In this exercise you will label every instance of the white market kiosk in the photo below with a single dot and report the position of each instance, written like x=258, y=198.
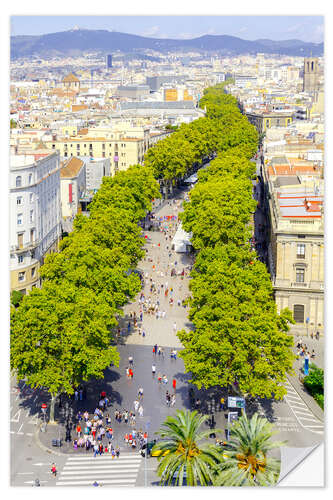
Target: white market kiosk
x=181, y=242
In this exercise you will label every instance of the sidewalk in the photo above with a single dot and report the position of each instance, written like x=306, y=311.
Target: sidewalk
x=318, y=346
x=157, y=266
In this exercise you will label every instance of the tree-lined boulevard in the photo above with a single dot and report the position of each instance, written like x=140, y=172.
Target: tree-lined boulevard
x=69, y=332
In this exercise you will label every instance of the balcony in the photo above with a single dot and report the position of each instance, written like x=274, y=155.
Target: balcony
x=297, y=284
x=23, y=248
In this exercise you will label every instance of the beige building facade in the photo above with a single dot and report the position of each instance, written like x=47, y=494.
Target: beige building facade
x=296, y=255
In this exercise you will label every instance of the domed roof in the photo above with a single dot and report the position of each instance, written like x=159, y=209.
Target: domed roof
x=70, y=78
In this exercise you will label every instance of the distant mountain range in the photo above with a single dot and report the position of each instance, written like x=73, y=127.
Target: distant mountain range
x=77, y=41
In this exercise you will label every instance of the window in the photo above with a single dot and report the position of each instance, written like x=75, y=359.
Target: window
x=30, y=178
x=19, y=200
x=19, y=219
x=31, y=197
x=299, y=313
x=299, y=275
x=21, y=276
x=300, y=250
x=33, y=271
x=18, y=181
x=20, y=259
x=31, y=215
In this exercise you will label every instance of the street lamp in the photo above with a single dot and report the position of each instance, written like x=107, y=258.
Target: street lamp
x=68, y=414
x=44, y=408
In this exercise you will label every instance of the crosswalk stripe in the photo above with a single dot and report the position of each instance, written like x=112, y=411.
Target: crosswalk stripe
x=97, y=471
x=294, y=398
x=298, y=412
x=310, y=419
x=112, y=461
x=314, y=426
x=100, y=481
x=103, y=457
x=84, y=470
x=297, y=403
x=103, y=466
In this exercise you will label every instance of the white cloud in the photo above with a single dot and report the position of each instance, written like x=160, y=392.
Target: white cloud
x=151, y=31
x=296, y=28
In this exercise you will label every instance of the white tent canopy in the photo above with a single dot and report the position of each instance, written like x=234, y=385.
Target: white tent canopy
x=181, y=241
x=192, y=179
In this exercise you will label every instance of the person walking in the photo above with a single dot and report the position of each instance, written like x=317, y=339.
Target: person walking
x=175, y=327
x=141, y=411
x=174, y=383
x=130, y=360
x=131, y=374
x=78, y=430
x=153, y=369
x=140, y=393
x=136, y=405
x=54, y=470
x=96, y=450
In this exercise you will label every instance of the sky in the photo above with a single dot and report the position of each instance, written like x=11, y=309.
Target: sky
x=306, y=28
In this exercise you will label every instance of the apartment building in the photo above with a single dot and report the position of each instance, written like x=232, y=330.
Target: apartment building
x=35, y=218
x=296, y=247
x=263, y=120
x=72, y=186
x=122, y=151
x=95, y=171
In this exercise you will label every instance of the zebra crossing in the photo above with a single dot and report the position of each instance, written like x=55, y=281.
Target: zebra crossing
x=304, y=416
x=105, y=470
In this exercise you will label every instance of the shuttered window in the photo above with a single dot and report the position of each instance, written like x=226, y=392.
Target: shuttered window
x=299, y=313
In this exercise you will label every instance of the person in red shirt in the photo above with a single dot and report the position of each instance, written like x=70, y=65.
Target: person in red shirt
x=131, y=373
x=78, y=430
x=174, y=384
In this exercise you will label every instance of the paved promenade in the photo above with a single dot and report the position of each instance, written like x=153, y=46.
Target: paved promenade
x=157, y=265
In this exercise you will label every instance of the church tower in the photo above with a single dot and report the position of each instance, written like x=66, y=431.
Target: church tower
x=310, y=77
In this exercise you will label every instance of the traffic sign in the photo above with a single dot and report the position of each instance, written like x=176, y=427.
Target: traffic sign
x=236, y=402
x=44, y=407
x=232, y=416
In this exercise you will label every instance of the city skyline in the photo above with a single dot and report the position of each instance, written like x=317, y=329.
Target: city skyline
x=305, y=28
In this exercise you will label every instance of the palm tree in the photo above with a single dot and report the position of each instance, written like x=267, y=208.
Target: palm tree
x=181, y=459
x=246, y=463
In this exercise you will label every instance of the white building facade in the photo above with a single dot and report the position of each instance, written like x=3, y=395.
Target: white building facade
x=35, y=216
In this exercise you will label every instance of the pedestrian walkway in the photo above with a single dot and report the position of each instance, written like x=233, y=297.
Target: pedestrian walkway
x=304, y=416
x=157, y=266
x=105, y=470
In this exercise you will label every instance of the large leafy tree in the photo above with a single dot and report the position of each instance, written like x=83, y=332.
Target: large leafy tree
x=182, y=459
x=239, y=341
x=60, y=336
x=247, y=461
